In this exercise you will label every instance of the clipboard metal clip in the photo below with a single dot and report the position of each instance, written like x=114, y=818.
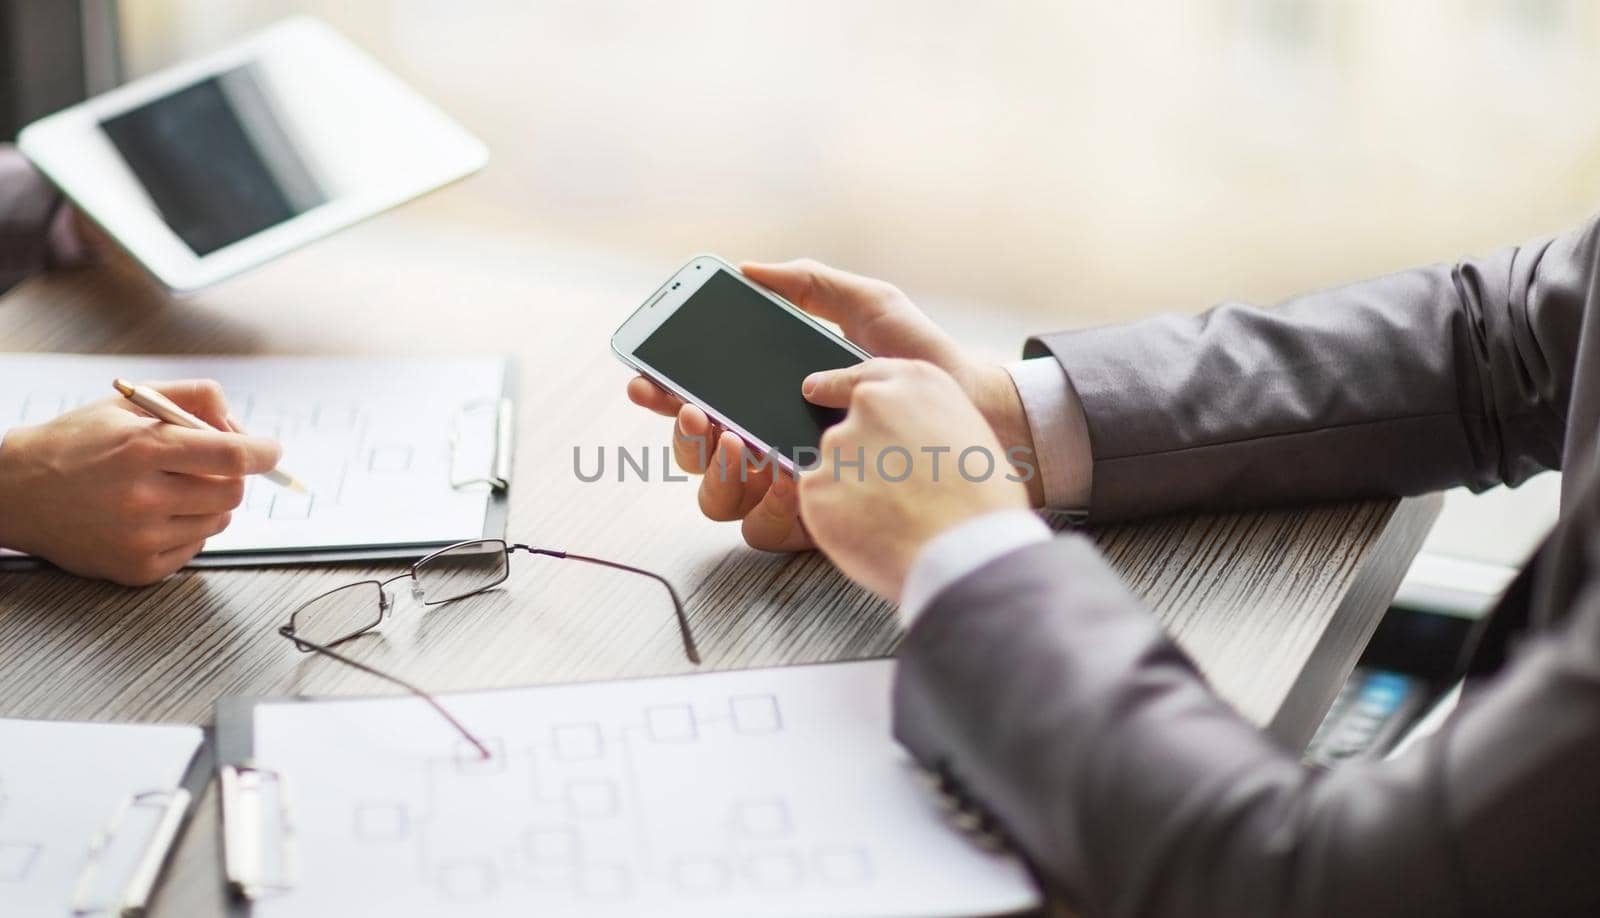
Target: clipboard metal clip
x=125, y=859
x=257, y=836
x=466, y=427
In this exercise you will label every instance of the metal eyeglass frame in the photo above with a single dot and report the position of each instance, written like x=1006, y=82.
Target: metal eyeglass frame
x=386, y=607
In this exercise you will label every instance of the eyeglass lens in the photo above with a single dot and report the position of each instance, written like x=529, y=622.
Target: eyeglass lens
x=340, y=614
x=461, y=570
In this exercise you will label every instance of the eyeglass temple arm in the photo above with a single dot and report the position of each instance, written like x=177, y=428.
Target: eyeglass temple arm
x=304, y=644
x=689, y=648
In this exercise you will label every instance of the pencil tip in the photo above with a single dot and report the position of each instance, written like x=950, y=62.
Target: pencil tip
x=123, y=387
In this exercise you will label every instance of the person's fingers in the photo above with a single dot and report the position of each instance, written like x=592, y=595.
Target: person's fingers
x=755, y=488
x=191, y=495
x=182, y=531
x=829, y=293
x=202, y=398
x=165, y=552
x=693, y=439
x=147, y=569
x=833, y=388
x=646, y=394
x=724, y=486
x=774, y=524
x=120, y=403
x=174, y=558
x=209, y=452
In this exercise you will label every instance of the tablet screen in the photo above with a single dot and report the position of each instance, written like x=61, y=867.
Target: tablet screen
x=222, y=163
x=217, y=159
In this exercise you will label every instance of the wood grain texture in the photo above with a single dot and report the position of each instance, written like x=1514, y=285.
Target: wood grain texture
x=1259, y=600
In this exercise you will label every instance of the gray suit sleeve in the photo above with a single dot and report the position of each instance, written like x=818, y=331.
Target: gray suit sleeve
x=1047, y=692
x=1408, y=383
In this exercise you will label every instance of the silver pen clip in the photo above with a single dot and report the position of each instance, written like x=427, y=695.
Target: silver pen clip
x=494, y=469
x=257, y=836
x=125, y=859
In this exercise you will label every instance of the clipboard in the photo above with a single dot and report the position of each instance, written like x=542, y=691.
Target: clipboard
x=266, y=844
x=90, y=811
x=256, y=819
x=481, y=430
x=497, y=477
x=128, y=857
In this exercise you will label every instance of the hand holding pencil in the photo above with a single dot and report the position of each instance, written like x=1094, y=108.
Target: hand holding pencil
x=108, y=490
x=164, y=409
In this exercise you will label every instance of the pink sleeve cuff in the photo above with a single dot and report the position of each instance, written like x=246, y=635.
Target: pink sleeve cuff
x=1060, y=431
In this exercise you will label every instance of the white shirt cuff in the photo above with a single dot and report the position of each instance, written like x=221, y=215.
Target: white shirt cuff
x=1060, y=431
x=960, y=550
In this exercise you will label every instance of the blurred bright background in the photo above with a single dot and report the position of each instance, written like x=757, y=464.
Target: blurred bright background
x=1022, y=165
x=1075, y=161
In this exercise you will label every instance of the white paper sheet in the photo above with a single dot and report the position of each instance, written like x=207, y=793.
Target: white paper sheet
x=60, y=785
x=371, y=438
x=772, y=792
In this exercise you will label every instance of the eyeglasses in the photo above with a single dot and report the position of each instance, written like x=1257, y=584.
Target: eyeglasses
x=451, y=573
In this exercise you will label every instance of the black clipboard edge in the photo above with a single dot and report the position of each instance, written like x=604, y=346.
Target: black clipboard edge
x=195, y=778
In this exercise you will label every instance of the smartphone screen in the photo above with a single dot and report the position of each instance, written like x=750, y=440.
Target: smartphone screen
x=735, y=350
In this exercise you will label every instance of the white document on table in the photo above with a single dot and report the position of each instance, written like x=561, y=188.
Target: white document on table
x=379, y=441
x=61, y=784
x=775, y=792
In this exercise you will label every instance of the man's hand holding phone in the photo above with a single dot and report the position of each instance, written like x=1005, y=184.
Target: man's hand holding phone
x=874, y=517
x=876, y=316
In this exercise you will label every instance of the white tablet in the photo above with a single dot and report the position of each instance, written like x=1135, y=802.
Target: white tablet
x=222, y=163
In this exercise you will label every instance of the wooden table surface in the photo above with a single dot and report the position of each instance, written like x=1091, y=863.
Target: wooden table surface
x=1274, y=606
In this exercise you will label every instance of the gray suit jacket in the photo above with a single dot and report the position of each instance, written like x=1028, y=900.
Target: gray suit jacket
x=1045, y=689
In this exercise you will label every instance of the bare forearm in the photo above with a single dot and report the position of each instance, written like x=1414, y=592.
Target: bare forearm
x=8, y=501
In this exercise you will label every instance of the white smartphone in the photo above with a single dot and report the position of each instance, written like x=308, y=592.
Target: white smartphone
x=737, y=350
x=219, y=164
